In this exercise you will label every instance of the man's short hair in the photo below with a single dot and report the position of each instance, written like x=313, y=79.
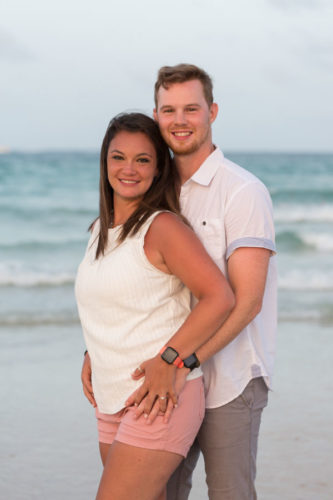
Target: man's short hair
x=181, y=73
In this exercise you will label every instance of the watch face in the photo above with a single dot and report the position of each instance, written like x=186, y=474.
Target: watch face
x=169, y=355
x=191, y=362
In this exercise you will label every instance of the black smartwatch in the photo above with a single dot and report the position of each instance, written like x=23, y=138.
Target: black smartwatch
x=191, y=362
x=171, y=356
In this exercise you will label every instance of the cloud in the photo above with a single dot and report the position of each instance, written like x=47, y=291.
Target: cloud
x=11, y=49
x=297, y=5
x=320, y=53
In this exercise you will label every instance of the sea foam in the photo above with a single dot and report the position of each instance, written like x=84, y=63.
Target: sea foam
x=16, y=275
x=303, y=213
x=299, y=279
x=322, y=242
x=304, y=241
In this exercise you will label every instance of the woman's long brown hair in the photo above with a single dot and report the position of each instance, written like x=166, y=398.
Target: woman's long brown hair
x=163, y=194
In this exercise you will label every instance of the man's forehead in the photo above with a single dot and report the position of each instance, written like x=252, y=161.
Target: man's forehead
x=186, y=93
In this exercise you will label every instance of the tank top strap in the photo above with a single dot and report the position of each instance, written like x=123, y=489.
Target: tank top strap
x=146, y=225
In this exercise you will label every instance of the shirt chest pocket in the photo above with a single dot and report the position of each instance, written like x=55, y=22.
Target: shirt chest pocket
x=211, y=233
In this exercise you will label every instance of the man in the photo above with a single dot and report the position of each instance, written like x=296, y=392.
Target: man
x=230, y=210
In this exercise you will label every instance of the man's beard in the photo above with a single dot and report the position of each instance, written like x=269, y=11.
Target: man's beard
x=186, y=150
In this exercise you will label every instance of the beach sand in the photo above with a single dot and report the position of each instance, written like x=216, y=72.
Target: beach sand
x=48, y=439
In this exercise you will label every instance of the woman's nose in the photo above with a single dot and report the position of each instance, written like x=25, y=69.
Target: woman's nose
x=129, y=168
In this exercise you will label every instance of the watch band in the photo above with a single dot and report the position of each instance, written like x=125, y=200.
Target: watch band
x=171, y=356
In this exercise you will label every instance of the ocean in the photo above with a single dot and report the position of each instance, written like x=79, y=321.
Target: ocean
x=47, y=201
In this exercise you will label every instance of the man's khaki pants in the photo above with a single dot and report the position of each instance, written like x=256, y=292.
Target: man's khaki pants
x=228, y=439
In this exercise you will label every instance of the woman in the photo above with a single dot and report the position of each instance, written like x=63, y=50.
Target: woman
x=133, y=292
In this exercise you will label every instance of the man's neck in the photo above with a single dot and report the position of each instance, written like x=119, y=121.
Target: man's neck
x=187, y=165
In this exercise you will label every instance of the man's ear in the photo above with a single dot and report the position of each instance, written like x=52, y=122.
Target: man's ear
x=155, y=114
x=214, y=109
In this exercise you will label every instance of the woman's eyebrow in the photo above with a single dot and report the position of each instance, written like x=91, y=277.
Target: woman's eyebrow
x=146, y=154
x=116, y=151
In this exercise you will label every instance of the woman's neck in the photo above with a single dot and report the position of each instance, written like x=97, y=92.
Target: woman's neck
x=122, y=210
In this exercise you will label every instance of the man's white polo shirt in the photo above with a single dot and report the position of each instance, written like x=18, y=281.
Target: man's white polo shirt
x=230, y=208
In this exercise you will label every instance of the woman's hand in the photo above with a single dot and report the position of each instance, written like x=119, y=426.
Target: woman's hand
x=180, y=380
x=86, y=380
x=158, y=386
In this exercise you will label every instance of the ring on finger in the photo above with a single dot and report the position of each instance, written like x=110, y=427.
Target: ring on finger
x=162, y=397
x=140, y=369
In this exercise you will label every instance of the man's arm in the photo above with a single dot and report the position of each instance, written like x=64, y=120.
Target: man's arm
x=247, y=273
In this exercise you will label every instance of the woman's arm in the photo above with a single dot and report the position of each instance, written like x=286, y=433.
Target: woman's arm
x=172, y=247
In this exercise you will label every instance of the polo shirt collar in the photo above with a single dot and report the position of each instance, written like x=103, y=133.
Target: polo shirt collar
x=207, y=170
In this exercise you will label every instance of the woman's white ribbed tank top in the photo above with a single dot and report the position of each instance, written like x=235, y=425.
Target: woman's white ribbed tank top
x=128, y=309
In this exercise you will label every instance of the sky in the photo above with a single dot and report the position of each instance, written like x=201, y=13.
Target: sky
x=68, y=66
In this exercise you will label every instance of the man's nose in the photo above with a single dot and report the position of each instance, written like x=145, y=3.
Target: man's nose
x=180, y=118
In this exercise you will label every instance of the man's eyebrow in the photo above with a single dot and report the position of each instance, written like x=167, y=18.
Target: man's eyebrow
x=185, y=106
x=166, y=106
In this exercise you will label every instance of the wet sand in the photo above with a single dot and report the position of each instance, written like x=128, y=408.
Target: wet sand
x=48, y=439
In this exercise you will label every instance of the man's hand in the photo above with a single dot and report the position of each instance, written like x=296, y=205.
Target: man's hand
x=86, y=380
x=158, y=385
x=180, y=381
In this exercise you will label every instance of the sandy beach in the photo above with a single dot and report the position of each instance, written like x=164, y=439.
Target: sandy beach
x=49, y=446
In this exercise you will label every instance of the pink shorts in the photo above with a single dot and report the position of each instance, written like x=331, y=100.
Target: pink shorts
x=175, y=436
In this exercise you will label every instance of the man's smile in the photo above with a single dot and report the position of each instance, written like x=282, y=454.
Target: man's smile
x=181, y=134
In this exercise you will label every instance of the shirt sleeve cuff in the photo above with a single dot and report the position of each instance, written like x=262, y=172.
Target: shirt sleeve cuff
x=250, y=242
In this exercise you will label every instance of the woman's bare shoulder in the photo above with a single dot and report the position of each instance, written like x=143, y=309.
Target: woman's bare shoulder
x=167, y=221
x=167, y=224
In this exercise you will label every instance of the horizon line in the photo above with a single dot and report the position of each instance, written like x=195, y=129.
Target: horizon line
x=7, y=151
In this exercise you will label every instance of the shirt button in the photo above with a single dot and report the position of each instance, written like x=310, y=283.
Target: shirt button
x=203, y=222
